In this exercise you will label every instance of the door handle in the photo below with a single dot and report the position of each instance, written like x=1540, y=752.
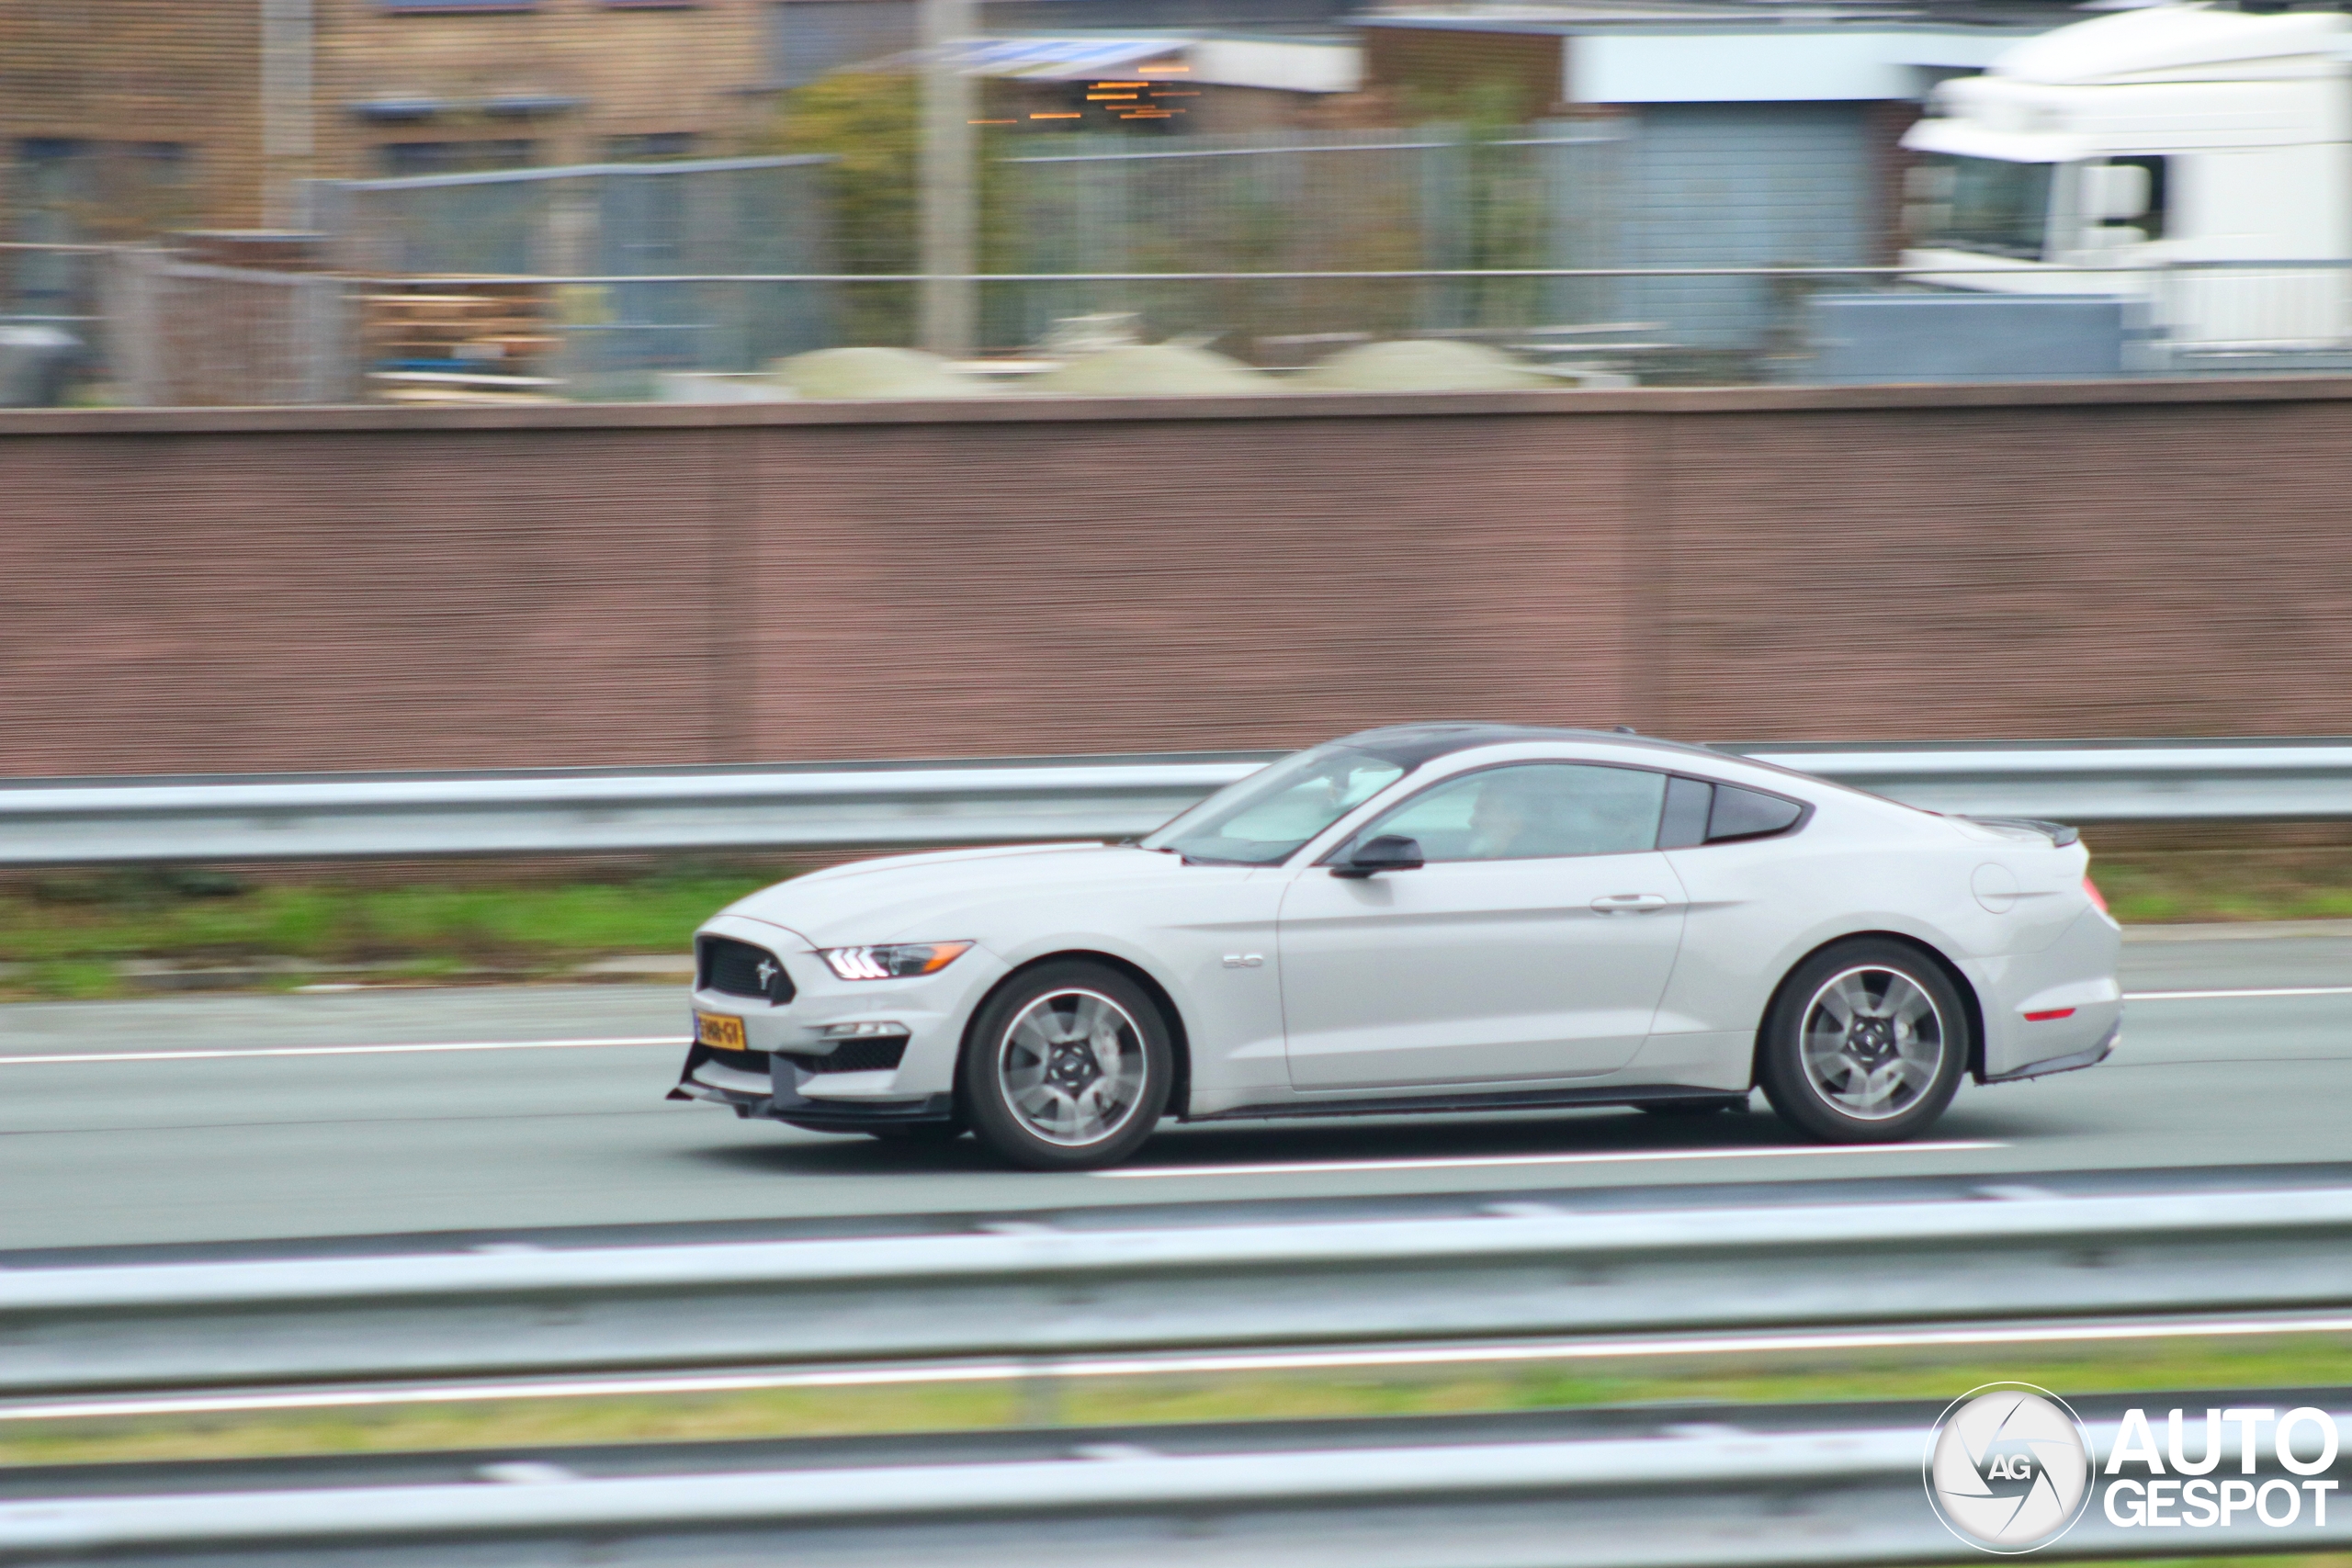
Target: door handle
x=1628, y=903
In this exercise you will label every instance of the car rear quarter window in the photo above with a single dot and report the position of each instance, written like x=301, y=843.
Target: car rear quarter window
x=1750, y=814
x=1688, y=805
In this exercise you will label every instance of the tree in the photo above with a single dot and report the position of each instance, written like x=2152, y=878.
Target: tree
x=866, y=122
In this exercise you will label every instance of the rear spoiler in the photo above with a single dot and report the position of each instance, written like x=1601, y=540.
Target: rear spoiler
x=2059, y=834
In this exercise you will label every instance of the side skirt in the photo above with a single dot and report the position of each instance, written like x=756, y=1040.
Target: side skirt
x=1514, y=1099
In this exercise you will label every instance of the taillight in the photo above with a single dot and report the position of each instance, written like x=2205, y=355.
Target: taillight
x=2090, y=891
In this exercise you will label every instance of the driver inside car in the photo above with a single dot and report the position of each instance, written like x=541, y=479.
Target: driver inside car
x=1516, y=816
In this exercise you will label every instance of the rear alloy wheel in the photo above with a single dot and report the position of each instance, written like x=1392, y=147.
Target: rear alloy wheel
x=1068, y=1068
x=1866, y=1044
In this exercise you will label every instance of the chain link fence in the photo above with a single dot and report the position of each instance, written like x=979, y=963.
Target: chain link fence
x=190, y=333
x=687, y=265
x=1447, y=202
x=1276, y=249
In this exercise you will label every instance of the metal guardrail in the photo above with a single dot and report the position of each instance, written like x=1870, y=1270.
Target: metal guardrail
x=65, y=822
x=2094, y=781
x=1039, y=1294
x=1704, y=1496
x=98, y=821
x=1747, y=1490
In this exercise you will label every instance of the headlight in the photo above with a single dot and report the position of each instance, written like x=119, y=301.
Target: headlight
x=892, y=962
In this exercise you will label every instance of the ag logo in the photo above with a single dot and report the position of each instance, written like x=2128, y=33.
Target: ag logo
x=2008, y=1468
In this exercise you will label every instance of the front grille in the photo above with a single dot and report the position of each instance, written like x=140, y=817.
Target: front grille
x=852, y=1056
x=722, y=964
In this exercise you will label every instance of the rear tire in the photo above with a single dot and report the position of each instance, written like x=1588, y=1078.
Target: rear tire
x=1068, y=1068
x=1865, y=1044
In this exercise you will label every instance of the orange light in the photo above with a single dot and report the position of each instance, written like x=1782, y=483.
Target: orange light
x=1098, y=86
x=1112, y=97
x=942, y=955
x=1073, y=114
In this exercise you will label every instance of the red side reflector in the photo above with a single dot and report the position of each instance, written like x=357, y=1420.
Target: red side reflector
x=2046, y=1017
x=2090, y=890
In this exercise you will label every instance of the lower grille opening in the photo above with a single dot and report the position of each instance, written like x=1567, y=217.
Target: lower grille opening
x=852, y=1056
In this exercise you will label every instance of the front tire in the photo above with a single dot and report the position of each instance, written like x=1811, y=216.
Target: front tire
x=1865, y=1044
x=1068, y=1068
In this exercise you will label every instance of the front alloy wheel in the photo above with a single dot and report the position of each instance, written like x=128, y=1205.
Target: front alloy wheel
x=1067, y=1068
x=1866, y=1044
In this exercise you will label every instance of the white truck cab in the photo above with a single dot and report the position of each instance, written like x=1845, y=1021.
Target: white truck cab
x=2176, y=133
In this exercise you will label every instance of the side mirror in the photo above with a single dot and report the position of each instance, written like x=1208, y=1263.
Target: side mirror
x=1390, y=851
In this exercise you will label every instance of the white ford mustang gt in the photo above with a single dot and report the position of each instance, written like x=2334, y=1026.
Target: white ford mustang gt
x=1429, y=917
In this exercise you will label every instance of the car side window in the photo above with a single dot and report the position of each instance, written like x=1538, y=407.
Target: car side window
x=1699, y=813
x=1687, y=803
x=1530, y=811
x=1749, y=814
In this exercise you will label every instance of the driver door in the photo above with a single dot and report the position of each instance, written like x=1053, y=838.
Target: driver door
x=1534, y=944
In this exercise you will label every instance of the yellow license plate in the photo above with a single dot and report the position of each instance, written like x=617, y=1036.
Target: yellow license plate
x=720, y=1031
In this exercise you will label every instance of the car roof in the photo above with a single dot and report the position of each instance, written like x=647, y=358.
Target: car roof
x=1411, y=745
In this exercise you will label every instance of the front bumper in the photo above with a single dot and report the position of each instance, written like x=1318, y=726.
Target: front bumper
x=791, y=1071
x=763, y=1084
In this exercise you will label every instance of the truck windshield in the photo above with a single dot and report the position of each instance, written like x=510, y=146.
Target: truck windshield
x=1979, y=204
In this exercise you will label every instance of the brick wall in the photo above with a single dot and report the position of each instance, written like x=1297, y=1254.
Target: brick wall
x=193, y=591
x=121, y=76
x=1449, y=67
x=627, y=70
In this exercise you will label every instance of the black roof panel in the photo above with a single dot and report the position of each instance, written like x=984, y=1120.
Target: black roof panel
x=1411, y=745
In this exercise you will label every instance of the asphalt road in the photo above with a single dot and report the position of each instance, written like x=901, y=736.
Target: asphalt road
x=102, y=1148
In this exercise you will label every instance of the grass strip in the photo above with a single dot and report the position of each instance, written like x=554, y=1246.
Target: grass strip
x=66, y=935
x=2312, y=883
x=1928, y=1373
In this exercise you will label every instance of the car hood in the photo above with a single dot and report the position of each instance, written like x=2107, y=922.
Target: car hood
x=916, y=898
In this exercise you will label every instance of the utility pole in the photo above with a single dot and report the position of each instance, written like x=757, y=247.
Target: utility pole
x=287, y=47
x=949, y=200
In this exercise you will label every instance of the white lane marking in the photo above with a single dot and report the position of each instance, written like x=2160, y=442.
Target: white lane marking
x=338, y=1050
x=2259, y=991
x=1467, y=1161
x=1157, y=1365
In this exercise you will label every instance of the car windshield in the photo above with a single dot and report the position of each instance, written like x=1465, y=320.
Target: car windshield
x=1979, y=204
x=1266, y=817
